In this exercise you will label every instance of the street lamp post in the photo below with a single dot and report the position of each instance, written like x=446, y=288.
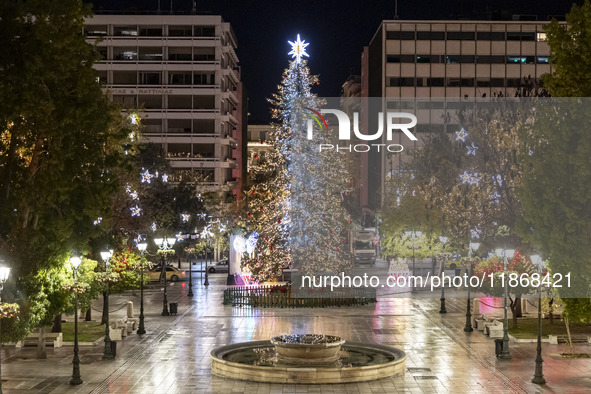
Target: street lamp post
x=142, y=248
x=507, y=254
x=108, y=353
x=190, y=293
x=443, y=309
x=206, y=281
x=4, y=272
x=472, y=247
x=413, y=235
x=539, y=373
x=164, y=244
x=76, y=379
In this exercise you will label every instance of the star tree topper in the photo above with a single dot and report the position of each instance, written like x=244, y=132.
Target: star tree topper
x=298, y=49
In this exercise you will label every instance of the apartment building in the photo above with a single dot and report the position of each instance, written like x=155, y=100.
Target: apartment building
x=418, y=62
x=182, y=73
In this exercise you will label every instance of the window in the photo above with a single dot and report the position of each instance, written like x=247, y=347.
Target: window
x=179, y=150
x=467, y=82
x=180, y=31
x=513, y=82
x=179, y=78
x=124, y=53
x=400, y=58
x=497, y=83
x=483, y=82
x=204, y=54
x=149, y=53
x=542, y=59
x=125, y=30
x=96, y=30
x=102, y=51
x=203, y=150
x=429, y=59
x=541, y=36
x=454, y=82
x=179, y=54
x=150, y=101
x=124, y=77
x=521, y=36
x=204, y=31
x=150, y=31
x=436, y=82
x=400, y=35
x=402, y=82
x=460, y=35
x=515, y=59
x=490, y=36
x=491, y=59
x=127, y=101
x=430, y=35
x=454, y=59
x=150, y=78
x=203, y=79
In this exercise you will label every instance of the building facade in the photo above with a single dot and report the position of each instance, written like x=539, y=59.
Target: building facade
x=181, y=72
x=413, y=61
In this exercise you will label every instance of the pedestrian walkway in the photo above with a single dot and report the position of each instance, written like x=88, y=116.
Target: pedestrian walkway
x=173, y=356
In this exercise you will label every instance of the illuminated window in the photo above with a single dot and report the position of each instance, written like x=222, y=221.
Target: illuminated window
x=540, y=36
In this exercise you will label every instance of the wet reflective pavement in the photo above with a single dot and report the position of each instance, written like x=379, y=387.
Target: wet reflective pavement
x=173, y=356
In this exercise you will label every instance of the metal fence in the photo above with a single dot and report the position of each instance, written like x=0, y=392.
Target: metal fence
x=273, y=297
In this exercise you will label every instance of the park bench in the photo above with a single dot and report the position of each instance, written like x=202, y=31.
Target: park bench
x=54, y=339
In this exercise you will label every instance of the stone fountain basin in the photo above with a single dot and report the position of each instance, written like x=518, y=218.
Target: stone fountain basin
x=308, y=348
x=307, y=374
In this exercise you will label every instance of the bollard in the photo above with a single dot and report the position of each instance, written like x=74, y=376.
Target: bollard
x=130, y=309
x=476, y=306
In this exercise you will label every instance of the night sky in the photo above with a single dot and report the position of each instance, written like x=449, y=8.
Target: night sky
x=336, y=31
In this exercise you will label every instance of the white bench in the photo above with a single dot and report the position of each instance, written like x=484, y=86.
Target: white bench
x=126, y=323
x=54, y=339
x=495, y=330
x=116, y=333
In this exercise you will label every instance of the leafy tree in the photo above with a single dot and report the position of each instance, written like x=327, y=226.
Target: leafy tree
x=519, y=264
x=557, y=180
x=60, y=139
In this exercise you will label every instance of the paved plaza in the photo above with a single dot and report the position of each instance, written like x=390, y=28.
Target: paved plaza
x=173, y=356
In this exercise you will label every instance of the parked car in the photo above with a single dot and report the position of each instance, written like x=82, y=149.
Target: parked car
x=220, y=266
x=173, y=274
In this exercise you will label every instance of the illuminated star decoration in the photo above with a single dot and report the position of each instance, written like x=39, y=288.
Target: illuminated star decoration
x=179, y=237
x=153, y=227
x=465, y=177
x=98, y=220
x=202, y=215
x=135, y=211
x=475, y=232
x=474, y=179
x=461, y=135
x=134, y=195
x=472, y=149
x=206, y=232
x=146, y=177
x=298, y=49
x=139, y=239
x=498, y=180
x=164, y=178
x=222, y=228
x=495, y=197
x=185, y=217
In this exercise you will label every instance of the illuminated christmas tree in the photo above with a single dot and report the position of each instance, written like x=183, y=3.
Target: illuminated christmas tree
x=315, y=182
x=267, y=207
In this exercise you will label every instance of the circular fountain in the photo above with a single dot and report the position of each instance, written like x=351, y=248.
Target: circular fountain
x=307, y=358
